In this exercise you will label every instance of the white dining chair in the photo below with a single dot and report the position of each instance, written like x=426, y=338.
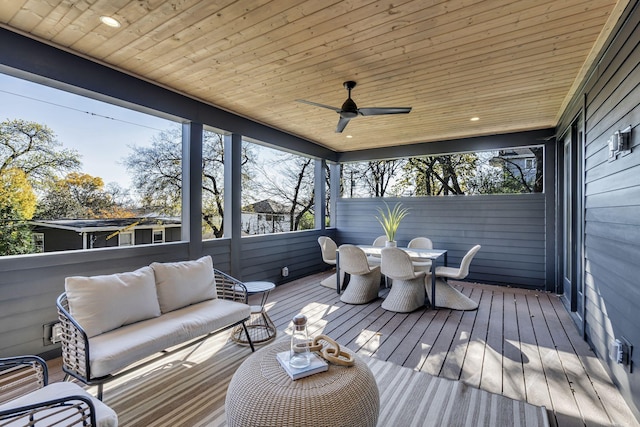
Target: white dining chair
x=378, y=242
x=446, y=295
x=328, y=248
x=421, y=243
x=407, y=292
x=364, y=280
x=461, y=272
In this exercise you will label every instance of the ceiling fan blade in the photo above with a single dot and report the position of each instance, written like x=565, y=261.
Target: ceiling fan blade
x=337, y=110
x=377, y=111
x=342, y=123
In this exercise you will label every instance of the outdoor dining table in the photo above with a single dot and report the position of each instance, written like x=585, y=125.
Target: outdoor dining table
x=416, y=254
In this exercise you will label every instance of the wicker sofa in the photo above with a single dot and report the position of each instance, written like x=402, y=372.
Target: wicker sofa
x=111, y=322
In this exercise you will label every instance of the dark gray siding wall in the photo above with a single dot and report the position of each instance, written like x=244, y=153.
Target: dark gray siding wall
x=510, y=228
x=29, y=285
x=612, y=196
x=263, y=257
x=612, y=205
x=60, y=240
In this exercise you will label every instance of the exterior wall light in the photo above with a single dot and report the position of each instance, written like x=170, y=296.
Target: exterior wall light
x=620, y=143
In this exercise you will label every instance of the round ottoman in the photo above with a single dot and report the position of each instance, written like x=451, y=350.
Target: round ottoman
x=262, y=394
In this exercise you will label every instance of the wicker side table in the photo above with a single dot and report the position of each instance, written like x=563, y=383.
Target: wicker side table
x=262, y=394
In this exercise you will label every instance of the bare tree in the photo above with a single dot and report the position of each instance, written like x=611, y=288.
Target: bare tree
x=157, y=175
x=290, y=178
x=439, y=175
x=374, y=177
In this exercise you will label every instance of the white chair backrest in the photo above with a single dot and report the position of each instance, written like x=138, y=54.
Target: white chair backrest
x=466, y=261
x=380, y=241
x=396, y=264
x=353, y=260
x=420, y=243
x=328, y=248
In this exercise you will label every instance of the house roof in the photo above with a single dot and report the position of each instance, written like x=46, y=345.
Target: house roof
x=513, y=64
x=266, y=206
x=93, y=225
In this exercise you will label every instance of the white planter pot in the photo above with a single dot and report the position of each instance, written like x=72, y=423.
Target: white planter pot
x=391, y=244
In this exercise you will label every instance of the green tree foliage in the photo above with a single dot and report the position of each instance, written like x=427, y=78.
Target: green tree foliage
x=16, y=191
x=17, y=205
x=307, y=221
x=33, y=148
x=79, y=196
x=30, y=156
x=15, y=233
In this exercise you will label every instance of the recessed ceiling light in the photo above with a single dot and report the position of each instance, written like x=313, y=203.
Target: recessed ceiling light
x=111, y=22
x=475, y=119
x=349, y=136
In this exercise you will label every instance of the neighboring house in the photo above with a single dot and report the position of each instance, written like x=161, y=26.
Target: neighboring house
x=520, y=161
x=265, y=217
x=73, y=234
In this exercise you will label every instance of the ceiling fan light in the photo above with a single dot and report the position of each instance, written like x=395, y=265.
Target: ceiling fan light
x=474, y=119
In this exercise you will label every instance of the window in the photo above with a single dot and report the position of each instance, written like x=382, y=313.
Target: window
x=277, y=193
x=158, y=236
x=126, y=238
x=515, y=170
x=212, y=184
x=38, y=242
x=131, y=170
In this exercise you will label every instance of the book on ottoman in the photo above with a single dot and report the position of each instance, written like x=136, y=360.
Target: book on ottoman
x=318, y=364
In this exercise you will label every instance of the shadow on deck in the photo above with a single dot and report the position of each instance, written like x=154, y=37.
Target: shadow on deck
x=518, y=343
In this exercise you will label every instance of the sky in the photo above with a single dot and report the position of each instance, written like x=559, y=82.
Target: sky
x=102, y=133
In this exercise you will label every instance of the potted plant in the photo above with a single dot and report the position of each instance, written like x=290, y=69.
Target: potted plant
x=390, y=220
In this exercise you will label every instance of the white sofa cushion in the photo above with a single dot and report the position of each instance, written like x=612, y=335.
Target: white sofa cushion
x=105, y=416
x=118, y=349
x=103, y=303
x=180, y=284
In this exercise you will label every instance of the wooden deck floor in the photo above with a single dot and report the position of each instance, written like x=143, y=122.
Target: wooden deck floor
x=519, y=343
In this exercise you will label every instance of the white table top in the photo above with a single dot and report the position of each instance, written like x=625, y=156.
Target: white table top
x=414, y=253
x=259, y=286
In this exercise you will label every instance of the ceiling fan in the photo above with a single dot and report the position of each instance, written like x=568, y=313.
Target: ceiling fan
x=350, y=110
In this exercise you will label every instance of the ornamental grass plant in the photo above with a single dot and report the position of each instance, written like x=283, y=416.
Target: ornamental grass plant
x=390, y=219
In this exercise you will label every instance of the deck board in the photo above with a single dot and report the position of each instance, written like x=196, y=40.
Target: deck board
x=471, y=371
x=534, y=380
x=508, y=346
x=492, y=364
x=519, y=343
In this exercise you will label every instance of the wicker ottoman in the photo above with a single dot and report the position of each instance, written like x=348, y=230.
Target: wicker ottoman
x=262, y=394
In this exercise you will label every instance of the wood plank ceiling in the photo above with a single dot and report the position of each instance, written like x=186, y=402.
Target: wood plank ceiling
x=512, y=63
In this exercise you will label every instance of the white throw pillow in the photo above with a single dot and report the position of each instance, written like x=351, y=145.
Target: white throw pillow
x=103, y=303
x=184, y=283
